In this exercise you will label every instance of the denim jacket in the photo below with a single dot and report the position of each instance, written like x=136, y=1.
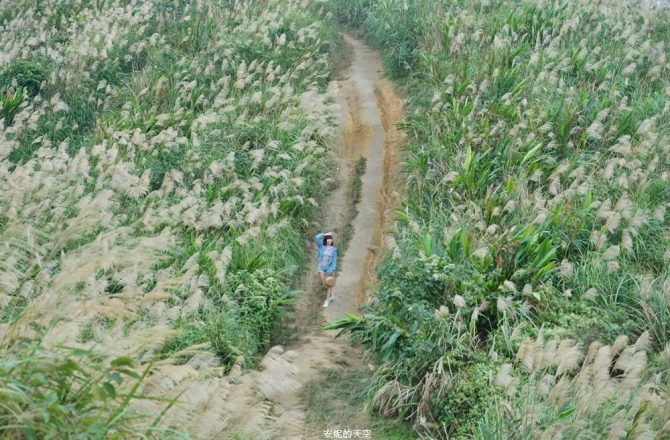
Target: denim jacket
x=332, y=264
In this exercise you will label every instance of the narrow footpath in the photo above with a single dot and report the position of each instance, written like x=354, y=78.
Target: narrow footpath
x=372, y=109
x=267, y=403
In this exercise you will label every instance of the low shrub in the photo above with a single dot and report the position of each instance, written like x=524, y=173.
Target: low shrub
x=23, y=74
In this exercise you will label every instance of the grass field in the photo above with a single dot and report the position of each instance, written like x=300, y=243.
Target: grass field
x=152, y=151
x=150, y=154
x=527, y=296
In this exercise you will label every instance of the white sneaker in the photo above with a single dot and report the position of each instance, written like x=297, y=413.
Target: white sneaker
x=325, y=303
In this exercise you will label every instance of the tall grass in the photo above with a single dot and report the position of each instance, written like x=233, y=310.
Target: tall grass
x=535, y=201
x=66, y=393
x=160, y=164
x=600, y=393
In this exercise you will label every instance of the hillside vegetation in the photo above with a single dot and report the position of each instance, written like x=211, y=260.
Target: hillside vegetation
x=527, y=291
x=151, y=154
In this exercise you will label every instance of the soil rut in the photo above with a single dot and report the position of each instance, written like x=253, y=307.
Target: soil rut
x=266, y=404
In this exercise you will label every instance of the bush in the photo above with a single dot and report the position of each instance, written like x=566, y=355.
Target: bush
x=260, y=298
x=238, y=326
x=351, y=12
x=9, y=105
x=223, y=329
x=425, y=340
x=24, y=74
x=469, y=395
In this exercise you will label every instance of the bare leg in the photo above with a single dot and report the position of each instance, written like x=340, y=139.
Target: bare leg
x=323, y=283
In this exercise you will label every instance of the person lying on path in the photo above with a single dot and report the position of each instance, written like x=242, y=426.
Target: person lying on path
x=326, y=255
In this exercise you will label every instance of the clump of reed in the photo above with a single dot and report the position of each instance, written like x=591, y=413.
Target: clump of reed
x=559, y=389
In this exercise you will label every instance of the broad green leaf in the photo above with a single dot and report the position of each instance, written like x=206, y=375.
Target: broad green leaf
x=122, y=361
x=531, y=153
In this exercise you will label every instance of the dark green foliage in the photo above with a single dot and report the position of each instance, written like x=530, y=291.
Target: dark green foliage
x=9, y=105
x=25, y=74
x=359, y=170
x=113, y=286
x=468, y=396
x=260, y=299
x=223, y=329
x=398, y=28
x=19, y=80
x=240, y=324
x=353, y=12
x=13, y=309
x=162, y=163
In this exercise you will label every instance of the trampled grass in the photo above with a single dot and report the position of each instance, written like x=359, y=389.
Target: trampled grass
x=536, y=208
x=337, y=400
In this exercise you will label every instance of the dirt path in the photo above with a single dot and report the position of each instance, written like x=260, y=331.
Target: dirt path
x=365, y=115
x=266, y=404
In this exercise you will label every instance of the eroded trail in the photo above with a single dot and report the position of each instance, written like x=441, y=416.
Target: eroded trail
x=266, y=404
x=372, y=110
